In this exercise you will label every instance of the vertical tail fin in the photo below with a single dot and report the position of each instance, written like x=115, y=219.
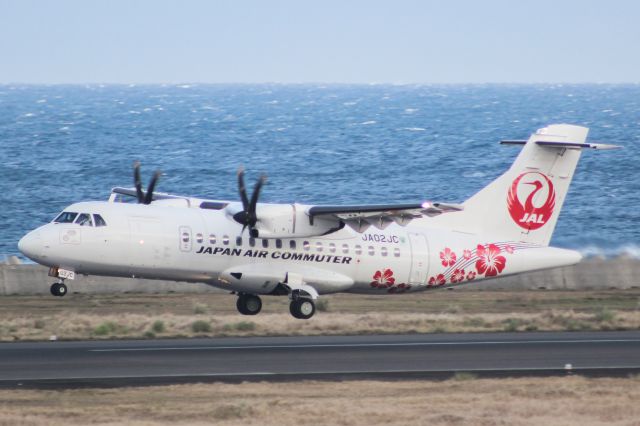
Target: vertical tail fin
x=523, y=204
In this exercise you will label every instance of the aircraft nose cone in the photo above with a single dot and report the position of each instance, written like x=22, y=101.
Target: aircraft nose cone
x=31, y=245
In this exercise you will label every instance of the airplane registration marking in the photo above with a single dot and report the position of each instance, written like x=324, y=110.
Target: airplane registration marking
x=381, y=238
x=364, y=345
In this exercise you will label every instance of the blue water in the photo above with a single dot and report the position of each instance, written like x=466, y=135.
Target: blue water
x=318, y=144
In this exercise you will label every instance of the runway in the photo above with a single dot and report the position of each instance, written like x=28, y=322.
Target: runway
x=145, y=362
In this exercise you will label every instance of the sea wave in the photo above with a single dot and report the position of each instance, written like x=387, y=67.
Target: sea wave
x=631, y=251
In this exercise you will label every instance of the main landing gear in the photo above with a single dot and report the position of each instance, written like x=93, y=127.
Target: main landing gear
x=58, y=289
x=250, y=304
x=302, y=308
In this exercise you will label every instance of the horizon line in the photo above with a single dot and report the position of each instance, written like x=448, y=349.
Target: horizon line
x=318, y=83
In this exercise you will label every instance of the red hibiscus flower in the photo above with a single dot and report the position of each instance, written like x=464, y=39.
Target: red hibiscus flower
x=509, y=249
x=458, y=276
x=448, y=257
x=471, y=275
x=490, y=263
x=437, y=280
x=383, y=279
x=466, y=254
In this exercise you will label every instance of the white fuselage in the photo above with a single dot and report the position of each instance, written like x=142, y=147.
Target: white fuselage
x=180, y=243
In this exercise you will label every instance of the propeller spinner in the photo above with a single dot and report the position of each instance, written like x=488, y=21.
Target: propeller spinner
x=247, y=217
x=144, y=198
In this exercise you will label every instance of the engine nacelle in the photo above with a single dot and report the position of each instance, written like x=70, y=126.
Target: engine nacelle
x=291, y=221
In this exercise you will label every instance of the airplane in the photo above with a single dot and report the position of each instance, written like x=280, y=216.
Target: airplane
x=300, y=251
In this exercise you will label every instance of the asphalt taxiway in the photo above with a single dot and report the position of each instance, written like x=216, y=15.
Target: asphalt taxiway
x=146, y=362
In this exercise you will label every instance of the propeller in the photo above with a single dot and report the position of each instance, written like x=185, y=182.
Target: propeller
x=247, y=217
x=144, y=198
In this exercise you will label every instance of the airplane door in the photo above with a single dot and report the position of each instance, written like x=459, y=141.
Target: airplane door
x=186, y=238
x=419, y=259
x=148, y=246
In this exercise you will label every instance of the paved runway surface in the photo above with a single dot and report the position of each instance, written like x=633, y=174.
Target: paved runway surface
x=119, y=363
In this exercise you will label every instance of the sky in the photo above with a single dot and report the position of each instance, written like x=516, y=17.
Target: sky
x=327, y=41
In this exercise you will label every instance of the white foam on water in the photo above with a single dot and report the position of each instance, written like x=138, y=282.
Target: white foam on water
x=627, y=250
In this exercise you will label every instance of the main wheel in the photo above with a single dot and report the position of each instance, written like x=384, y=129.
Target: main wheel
x=249, y=304
x=58, y=289
x=302, y=308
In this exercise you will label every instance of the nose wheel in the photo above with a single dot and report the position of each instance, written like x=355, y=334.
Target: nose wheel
x=58, y=289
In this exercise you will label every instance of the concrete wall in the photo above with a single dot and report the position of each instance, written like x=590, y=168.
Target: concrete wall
x=589, y=274
x=33, y=279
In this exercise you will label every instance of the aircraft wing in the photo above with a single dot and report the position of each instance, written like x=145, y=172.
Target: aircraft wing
x=131, y=192
x=359, y=217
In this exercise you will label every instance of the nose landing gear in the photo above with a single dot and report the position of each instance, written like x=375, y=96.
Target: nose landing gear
x=58, y=289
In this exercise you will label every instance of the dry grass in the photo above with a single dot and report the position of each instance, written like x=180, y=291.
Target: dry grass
x=173, y=315
x=523, y=401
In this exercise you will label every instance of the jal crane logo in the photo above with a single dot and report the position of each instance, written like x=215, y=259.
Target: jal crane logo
x=531, y=215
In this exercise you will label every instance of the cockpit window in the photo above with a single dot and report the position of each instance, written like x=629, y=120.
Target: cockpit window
x=98, y=220
x=84, y=219
x=65, y=217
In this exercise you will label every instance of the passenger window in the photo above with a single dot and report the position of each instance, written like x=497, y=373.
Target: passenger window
x=185, y=237
x=212, y=239
x=383, y=251
x=319, y=246
x=84, y=219
x=199, y=238
x=252, y=242
x=332, y=247
x=278, y=243
x=396, y=252
x=372, y=251
x=65, y=217
x=292, y=244
x=265, y=243
x=238, y=241
x=306, y=246
x=225, y=240
x=345, y=248
x=98, y=220
x=358, y=249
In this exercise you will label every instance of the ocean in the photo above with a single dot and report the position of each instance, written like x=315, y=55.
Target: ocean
x=322, y=144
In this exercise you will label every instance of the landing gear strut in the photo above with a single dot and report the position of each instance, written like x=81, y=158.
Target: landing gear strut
x=58, y=289
x=302, y=308
x=249, y=304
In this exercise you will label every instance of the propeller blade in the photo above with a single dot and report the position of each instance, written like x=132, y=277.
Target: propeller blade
x=254, y=201
x=248, y=217
x=242, y=189
x=138, y=182
x=152, y=185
